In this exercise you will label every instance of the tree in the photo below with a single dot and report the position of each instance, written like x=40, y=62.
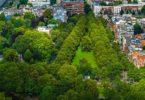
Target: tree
x=17, y=32
x=10, y=55
x=117, y=2
x=67, y=74
x=34, y=22
x=3, y=43
x=32, y=77
x=29, y=15
x=2, y=17
x=46, y=80
x=17, y=22
x=137, y=29
x=41, y=24
x=11, y=80
x=143, y=47
x=2, y=27
x=47, y=13
x=86, y=43
x=87, y=8
x=53, y=21
x=3, y=97
x=40, y=44
x=103, y=3
x=127, y=12
x=143, y=9
x=23, y=2
x=52, y=2
x=121, y=12
x=70, y=94
x=85, y=68
x=129, y=1
x=135, y=1
x=47, y=93
x=65, y=55
x=137, y=91
x=138, y=12
x=133, y=12
x=87, y=90
x=59, y=79
x=27, y=55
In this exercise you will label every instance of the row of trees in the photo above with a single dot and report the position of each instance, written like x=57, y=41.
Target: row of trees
x=111, y=63
x=71, y=43
x=133, y=12
x=35, y=64
x=60, y=33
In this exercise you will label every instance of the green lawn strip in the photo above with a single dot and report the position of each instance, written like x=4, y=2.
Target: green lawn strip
x=82, y=54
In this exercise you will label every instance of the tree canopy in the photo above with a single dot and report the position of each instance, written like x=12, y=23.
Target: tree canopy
x=77, y=60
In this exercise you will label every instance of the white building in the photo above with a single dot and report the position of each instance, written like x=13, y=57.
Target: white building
x=97, y=10
x=59, y=13
x=40, y=3
x=116, y=9
x=58, y=1
x=44, y=29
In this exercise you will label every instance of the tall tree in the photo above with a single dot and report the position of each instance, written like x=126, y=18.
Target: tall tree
x=137, y=29
x=23, y=2
x=52, y=2
x=10, y=55
x=143, y=9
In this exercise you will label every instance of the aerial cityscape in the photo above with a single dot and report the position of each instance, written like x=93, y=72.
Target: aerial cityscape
x=72, y=49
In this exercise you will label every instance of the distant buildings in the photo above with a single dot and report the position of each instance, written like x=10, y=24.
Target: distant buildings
x=11, y=12
x=58, y=1
x=59, y=13
x=73, y=6
x=132, y=45
x=40, y=3
x=97, y=9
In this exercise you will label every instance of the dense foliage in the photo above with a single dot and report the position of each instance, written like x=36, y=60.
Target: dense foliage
x=78, y=61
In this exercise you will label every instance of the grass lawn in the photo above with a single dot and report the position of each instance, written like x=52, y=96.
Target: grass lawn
x=89, y=56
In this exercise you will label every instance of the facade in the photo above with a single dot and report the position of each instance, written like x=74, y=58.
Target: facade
x=44, y=29
x=139, y=61
x=58, y=1
x=132, y=45
x=116, y=9
x=73, y=6
x=40, y=3
x=59, y=13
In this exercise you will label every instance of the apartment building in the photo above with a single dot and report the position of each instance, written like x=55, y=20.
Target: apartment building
x=40, y=3
x=73, y=6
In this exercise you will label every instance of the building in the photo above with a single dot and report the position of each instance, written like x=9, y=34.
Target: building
x=44, y=29
x=73, y=6
x=139, y=61
x=132, y=45
x=59, y=13
x=115, y=9
x=40, y=3
x=58, y=1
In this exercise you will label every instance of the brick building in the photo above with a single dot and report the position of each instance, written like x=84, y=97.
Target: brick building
x=73, y=6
